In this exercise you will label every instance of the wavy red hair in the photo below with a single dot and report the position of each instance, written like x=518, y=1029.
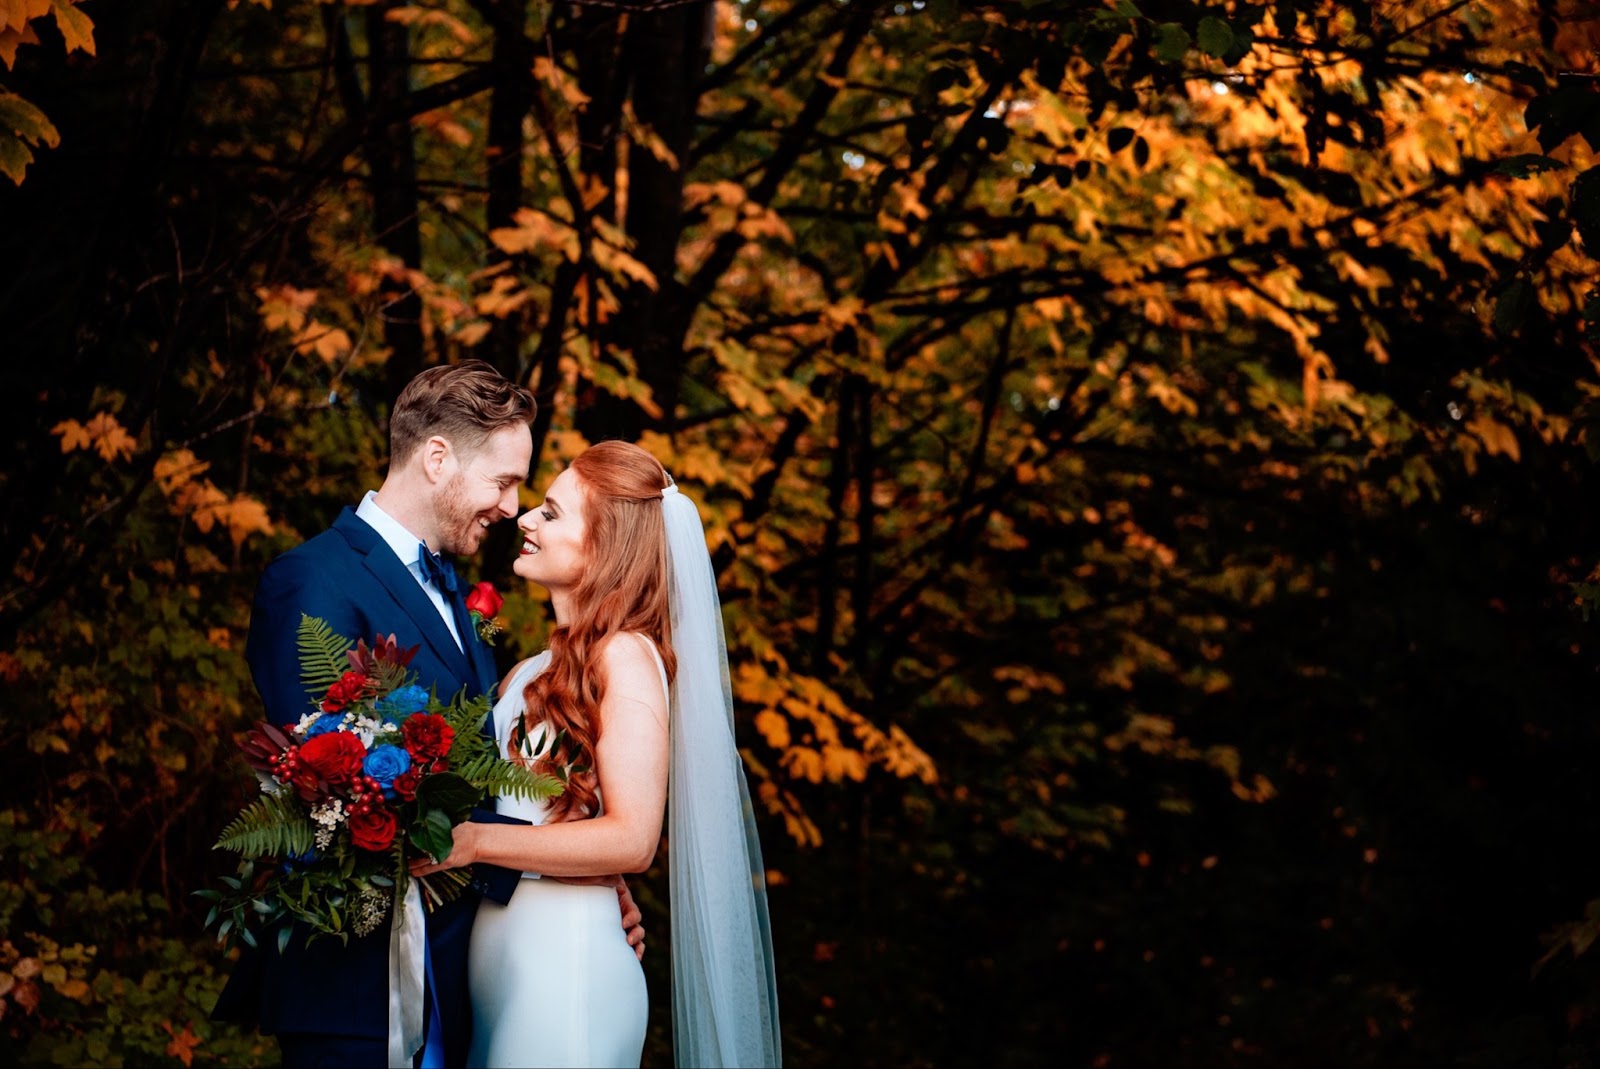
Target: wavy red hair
x=623, y=588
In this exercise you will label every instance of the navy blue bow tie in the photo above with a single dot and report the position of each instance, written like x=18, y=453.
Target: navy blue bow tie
x=437, y=570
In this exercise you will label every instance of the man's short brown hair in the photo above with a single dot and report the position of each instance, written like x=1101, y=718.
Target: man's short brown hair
x=463, y=403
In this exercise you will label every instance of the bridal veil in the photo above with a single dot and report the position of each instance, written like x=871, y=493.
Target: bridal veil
x=724, y=989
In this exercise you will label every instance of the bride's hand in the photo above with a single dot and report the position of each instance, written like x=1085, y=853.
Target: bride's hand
x=463, y=851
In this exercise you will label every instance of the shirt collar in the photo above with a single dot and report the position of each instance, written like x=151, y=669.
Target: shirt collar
x=406, y=545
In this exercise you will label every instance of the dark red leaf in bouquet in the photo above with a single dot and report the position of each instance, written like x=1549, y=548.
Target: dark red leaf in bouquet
x=310, y=787
x=388, y=650
x=262, y=745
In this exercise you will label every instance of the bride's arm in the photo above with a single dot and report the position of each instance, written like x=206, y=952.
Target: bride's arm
x=631, y=763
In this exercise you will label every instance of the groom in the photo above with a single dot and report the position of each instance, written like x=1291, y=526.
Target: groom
x=459, y=446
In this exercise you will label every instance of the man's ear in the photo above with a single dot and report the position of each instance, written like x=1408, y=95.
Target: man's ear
x=436, y=458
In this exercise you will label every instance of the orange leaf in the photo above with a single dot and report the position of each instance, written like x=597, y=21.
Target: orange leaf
x=183, y=1043
x=75, y=26
x=73, y=435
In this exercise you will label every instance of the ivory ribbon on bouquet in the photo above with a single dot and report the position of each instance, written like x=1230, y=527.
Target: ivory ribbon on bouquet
x=407, y=1007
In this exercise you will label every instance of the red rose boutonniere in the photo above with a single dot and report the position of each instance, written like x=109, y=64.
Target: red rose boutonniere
x=484, y=605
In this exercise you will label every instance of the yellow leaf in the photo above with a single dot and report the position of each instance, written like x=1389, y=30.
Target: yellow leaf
x=177, y=468
x=76, y=28
x=803, y=763
x=746, y=395
x=557, y=79
x=620, y=264
x=774, y=727
x=327, y=342
x=284, y=307
x=840, y=763
x=536, y=230
x=75, y=989
x=110, y=439
x=1496, y=436
x=564, y=445
x=244, y=516
x=472, y=333
x=73, y=435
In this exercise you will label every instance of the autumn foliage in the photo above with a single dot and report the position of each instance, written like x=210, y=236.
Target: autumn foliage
x=1147, y=449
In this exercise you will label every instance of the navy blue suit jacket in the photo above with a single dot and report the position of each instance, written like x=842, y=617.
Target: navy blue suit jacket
x=349, y=577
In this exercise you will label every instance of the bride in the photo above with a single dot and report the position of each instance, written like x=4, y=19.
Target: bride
x=632, y=692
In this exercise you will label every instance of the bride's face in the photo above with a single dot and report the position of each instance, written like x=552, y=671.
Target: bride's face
x=552, y=536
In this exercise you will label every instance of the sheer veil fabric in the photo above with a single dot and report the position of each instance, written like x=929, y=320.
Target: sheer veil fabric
x=724, y=987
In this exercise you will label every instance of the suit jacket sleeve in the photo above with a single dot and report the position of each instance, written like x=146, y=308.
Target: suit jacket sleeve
x=293, y=584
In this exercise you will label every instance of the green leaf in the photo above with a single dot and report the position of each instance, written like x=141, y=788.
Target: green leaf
x=1511, y=307
x=27, y=121
x=431, y=834
x=322, y=654
x=1215, y=36
x=1172, y=42
x=14, y=158
x=449, y=793
x=1528, y=163
x=273, y=824
x=1243, y=41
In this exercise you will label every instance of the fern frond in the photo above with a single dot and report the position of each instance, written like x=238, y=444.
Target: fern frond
x=273, y=824
x=322, y=654
x=507, y=780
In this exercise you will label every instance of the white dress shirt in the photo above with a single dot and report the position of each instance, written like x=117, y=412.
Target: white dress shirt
x=408, y=547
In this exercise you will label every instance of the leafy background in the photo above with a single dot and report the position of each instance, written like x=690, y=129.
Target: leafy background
x=1148, y=451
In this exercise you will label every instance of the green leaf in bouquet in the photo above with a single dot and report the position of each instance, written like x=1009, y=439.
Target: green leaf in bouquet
x=283, y=938
x=272, y=824
x=322, y=654
x=506, y=779
x=431, y=834
x=449, y=793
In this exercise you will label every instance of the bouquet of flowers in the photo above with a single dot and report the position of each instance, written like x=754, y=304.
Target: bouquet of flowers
x=377, y=773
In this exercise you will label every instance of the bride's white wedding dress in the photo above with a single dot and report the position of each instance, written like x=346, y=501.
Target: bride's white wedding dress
x=552, y=978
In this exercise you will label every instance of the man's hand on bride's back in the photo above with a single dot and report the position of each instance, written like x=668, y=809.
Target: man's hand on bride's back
x=632, y=918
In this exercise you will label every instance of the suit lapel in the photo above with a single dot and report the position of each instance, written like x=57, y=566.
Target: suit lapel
x=483, y=662
x=397, y=579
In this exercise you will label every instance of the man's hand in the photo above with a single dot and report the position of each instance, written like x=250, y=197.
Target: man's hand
x=632, y=918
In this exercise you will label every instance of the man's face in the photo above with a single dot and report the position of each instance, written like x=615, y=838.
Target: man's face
x=482, y=490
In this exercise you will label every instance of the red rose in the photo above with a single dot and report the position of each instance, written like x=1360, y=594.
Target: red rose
x=405, y=784
x=484, y=601
x=350, y=687
x=427, y=736
x=334, y=755
x=373, y=830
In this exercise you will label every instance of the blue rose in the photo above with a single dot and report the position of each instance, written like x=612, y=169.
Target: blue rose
x=399, y=704
x=323, y=724
x=384, y=763
x=293, y=861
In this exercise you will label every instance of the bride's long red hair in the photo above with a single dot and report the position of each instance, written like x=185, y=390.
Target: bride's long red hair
x=623, y=588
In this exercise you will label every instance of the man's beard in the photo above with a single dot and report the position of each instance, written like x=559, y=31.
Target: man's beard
x=459, y=530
